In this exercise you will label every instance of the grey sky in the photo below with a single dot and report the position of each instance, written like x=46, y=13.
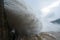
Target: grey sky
x=54, y=13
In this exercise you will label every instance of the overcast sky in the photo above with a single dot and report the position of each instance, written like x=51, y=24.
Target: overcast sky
x=49, y=10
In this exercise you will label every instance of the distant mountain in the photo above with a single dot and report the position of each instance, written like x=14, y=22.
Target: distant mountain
x=56, y=21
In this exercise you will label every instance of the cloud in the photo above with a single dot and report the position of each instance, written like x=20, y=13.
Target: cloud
x=45, y=11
